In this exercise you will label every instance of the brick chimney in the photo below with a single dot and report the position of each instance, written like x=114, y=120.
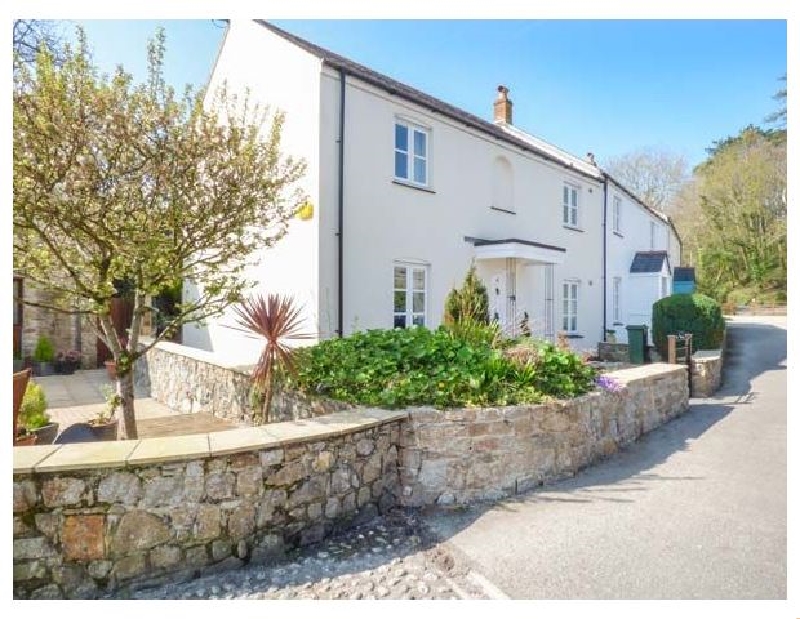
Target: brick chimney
x=502, y=107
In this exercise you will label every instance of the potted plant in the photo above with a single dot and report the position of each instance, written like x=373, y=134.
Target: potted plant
x=24, y=439
x=58, y=363
x=43, y=356
x=33, y=418
x=73, y=360
x=611, y=336
x=105, y=424
x=67, y=362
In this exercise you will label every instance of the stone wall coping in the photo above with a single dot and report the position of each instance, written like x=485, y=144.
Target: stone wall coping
x=86, y=456
x=117, y=454
x=645, y=371
x=706, y=355
x=26, y=458
x=195, y=353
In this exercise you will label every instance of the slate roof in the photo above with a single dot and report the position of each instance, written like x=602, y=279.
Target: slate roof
x=649, y=261
x=683, y=274
x=413, y=95
x=509, y=134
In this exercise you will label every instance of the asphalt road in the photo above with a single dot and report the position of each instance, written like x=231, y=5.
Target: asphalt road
x=694, y=510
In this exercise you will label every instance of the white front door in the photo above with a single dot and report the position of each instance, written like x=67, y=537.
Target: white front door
x=498, y=298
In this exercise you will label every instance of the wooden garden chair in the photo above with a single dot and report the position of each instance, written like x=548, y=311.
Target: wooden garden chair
x=20, y=384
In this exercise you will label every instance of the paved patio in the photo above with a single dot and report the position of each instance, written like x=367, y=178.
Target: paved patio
x=77, y=397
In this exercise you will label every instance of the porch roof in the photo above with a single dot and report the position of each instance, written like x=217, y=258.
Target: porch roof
x=529, y=251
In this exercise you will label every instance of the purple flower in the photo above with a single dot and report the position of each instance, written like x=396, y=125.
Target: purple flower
x=608, y=384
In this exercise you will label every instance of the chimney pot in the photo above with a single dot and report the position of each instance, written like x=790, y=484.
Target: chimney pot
x=590, y=158
x=502, y=106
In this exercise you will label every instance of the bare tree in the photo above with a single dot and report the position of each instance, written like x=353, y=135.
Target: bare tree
x=30, y=34
x=779, y=117
x=654, y=175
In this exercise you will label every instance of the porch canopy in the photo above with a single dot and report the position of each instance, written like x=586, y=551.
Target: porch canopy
x=527, y=251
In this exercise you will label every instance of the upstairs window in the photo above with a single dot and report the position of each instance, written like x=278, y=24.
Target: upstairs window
x=617, y=215
x=410, y=153
x=570, y=205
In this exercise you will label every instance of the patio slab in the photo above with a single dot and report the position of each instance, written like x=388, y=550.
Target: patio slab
x=78, y=398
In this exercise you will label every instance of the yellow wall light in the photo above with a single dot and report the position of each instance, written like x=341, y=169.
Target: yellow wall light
x=306, y=211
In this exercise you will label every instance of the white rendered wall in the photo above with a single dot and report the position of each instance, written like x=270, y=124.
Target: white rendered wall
x=386, y=221
x=638, y=291
x=284, y=77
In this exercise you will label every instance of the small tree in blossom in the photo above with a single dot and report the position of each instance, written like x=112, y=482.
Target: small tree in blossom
x=122, y=182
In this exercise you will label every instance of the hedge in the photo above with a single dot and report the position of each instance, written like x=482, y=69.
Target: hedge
x=692, y=313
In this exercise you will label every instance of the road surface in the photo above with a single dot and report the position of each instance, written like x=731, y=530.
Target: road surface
x=694, y=510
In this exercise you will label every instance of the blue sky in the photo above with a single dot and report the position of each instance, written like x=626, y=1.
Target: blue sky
x=603, y=86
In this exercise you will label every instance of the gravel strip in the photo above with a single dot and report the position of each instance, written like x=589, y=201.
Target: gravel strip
x=393, y=558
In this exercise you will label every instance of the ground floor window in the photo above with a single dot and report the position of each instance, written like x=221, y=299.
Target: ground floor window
x=570, y=322
x=410, y=295
x=616, y=297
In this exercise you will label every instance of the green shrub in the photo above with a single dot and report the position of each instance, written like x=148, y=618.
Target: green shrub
x=32, y=410
x=403, y=367
x=470, y=303
x=477, y=333
x=558, y=372
x=44, y=351
x=693, y=313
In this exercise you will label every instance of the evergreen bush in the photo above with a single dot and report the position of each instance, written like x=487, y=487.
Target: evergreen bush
x=691, y=313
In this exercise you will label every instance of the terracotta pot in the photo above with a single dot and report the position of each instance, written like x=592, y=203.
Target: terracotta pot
x=106, y=431
x=46, y=434
x=111, y=368
x=26, y=440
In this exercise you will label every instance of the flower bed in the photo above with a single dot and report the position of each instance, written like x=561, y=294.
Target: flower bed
x=406, y=367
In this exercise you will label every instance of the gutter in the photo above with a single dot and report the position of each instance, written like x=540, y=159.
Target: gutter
x=340, y=229
x=605, y=242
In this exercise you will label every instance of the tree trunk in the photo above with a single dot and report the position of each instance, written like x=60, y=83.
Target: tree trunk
x=126, y=427
x=267, y=401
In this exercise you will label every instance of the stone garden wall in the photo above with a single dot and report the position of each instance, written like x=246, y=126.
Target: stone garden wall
x=190, y=380
x=612, y=351
x=96, y=517
x=463, y=455
x=706, y=372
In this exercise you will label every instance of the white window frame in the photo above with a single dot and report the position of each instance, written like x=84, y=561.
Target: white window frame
x=616, y=296
x=570, y=305
x=652, y=235
x=409, y=314
x=571, y=205
x=617, y=214
x=411, y=155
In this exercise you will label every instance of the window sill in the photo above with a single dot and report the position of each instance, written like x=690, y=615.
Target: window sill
x=619, y=234
x=503, y=210
x=573, y=228
x=573, y=336
x=616, y=324
x=412, y=186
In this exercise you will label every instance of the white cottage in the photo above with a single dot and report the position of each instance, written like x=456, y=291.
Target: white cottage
x=408, y=191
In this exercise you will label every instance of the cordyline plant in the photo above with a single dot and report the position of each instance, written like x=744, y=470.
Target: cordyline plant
x=276, y=319
x=122, y=182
